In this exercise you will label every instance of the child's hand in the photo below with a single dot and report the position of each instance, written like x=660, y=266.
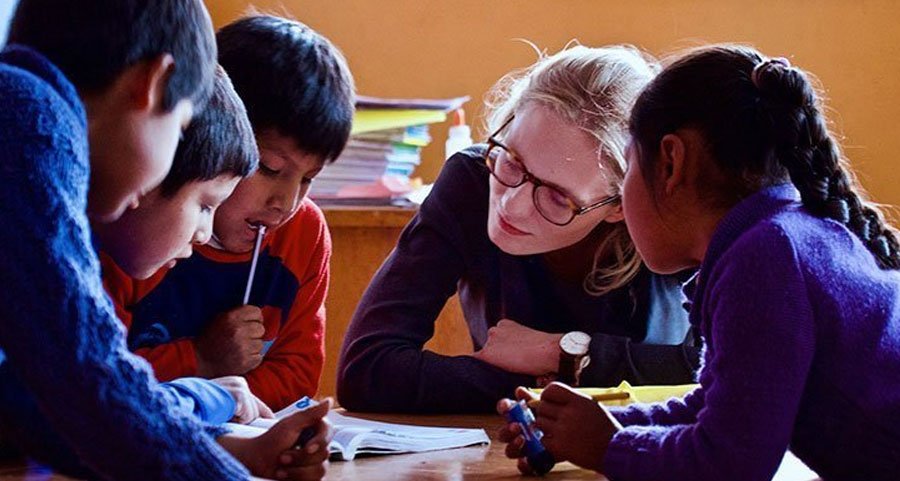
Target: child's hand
x=520, y=349
x=249, y=407
x=511, y=433
x=272, y=455
x=231, y=345
x=576, y=428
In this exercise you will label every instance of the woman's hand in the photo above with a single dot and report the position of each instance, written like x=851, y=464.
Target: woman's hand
x=521, y=350
x=272, y=454
x=249, y=407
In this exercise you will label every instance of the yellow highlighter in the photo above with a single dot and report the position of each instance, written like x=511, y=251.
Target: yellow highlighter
x=625, y=394
x=602, y=397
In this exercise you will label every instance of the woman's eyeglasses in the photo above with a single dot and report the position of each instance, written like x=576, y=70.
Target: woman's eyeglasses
x=552, y=203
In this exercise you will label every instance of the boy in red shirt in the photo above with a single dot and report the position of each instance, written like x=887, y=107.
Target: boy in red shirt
x=189, y=320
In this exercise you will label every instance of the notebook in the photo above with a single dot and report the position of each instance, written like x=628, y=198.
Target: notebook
x=354, y=436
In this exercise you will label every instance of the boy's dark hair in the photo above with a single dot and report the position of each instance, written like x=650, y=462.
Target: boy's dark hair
x=763, y=123
x=94, y=42
x=218, y=141
x=292, y=80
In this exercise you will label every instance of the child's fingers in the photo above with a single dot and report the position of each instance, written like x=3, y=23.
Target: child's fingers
x=246, y=410
x=509, y=432
x=255, y=345
x=254, y=329
x=549, y=411
x=524, y=467
x=558, y=393
x=264, y=410
x=551, y=440
x=504, y=405
x=322, y=438
x=553, y=445
x=546, y=426
x=523, y=393
x=514, y=448
x=302, y=457
x=250, y=411
x=247, y=313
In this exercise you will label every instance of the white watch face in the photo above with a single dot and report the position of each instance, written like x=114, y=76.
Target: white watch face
x=575, y=343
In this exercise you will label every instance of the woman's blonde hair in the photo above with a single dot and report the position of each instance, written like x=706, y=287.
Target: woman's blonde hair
x=594, y=89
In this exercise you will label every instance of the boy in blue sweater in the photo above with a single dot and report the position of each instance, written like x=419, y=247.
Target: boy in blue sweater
x=125, y=77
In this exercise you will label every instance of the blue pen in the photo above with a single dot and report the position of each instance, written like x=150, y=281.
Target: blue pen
x=540, y=460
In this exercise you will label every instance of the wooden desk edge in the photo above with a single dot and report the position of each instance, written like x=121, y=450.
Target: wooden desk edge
x=363, y=216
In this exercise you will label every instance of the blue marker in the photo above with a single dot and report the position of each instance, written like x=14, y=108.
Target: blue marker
x=540, y=460
x=303, y=403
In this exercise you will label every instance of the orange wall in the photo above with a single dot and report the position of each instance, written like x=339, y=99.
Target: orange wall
x=442, y=48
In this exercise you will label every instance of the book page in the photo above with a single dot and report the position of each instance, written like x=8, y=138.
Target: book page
x=360, y=436
x=354, y=436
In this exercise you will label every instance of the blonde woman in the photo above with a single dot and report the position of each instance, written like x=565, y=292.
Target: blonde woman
x=529, y=229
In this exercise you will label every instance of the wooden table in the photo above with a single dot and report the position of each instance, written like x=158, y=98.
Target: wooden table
x=474, y=463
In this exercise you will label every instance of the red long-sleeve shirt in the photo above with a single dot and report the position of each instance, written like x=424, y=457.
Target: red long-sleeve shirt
x=165, y=312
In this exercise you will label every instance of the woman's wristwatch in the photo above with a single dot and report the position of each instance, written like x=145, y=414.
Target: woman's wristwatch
x=573, y=357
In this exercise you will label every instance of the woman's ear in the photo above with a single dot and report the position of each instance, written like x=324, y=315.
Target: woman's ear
x=615, y=214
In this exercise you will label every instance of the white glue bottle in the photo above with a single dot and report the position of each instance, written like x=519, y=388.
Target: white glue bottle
x=460, y=135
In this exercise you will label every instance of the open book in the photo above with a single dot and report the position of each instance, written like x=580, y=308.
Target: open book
x=353, y=436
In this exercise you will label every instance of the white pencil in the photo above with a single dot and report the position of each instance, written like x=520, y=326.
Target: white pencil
x=260, y=232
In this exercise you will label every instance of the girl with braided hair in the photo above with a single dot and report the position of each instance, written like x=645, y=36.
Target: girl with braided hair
x=732, y=169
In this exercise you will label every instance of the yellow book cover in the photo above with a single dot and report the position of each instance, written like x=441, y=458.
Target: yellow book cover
x=371, y=120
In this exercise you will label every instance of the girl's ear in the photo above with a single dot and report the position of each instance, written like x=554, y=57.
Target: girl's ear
x=672, y=155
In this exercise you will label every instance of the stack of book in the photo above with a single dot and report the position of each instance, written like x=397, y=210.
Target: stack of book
x=384, y=149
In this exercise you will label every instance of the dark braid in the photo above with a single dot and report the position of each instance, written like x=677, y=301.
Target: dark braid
x=762, y=123
x=803, y=144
